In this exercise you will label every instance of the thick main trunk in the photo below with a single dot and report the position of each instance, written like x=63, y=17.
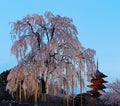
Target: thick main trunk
x=44, y=89
x=43, y=86
x=43, y=97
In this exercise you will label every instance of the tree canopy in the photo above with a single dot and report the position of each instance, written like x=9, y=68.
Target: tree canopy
x=47, y=48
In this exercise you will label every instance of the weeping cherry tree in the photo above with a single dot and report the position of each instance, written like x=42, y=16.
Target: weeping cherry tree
x=48, y=53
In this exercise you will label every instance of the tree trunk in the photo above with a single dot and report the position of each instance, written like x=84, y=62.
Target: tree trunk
x=36, y=95
x=17, y=94
x=36, y=88
x=47, y=87
x=67, y=94
x=72, y=90
x=43, y=83
x=20, y=91
x=81, y=104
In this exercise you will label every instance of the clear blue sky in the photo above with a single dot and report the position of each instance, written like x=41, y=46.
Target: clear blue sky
x=97, y=21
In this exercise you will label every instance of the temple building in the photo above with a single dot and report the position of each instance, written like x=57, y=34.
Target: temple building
x=97, y=83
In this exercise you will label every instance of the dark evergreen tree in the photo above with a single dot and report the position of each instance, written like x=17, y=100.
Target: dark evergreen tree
x=3, y=82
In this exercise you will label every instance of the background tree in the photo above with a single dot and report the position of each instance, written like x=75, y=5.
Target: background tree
x=113, y=96
x=47, y=47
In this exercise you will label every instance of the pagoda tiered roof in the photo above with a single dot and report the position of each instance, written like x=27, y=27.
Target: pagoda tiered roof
x=98, y=81
x=99, y=75
x=97, y=86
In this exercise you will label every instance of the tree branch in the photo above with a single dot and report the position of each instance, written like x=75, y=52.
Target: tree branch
x=31, y=27
x=45, y=28
x=52, y=34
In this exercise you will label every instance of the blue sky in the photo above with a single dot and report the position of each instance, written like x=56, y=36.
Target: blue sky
x=97, y=21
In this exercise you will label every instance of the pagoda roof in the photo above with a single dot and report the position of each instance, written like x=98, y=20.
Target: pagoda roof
x=97, y=87
x=98, y=81
x=99, y=75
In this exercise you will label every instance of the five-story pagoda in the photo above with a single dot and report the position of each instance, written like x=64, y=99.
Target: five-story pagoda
x=97, y=83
